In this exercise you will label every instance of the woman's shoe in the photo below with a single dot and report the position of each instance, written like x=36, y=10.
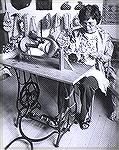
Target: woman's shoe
x=113, y=116
x=83, y=124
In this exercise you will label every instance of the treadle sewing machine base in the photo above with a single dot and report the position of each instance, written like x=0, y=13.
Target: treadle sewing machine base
x=27, y=102
x=28, y=97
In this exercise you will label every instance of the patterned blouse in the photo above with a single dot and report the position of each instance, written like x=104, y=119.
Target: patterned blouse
x=87, y=44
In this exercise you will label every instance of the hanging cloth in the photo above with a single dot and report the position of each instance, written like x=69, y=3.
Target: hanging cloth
x=15, y=32
x=56, y=21
x=46, y=22
x=39, y=28
x=32, y=25
x=75, y=21
x=55, y=27
x=25, y=21
x=66, y=20
x=7, y=23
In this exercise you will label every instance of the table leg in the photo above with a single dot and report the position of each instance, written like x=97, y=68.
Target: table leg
x=66, y=116
x=27, y=96
x=27, y=101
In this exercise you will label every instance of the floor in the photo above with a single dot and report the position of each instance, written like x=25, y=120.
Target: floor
x=102, y=133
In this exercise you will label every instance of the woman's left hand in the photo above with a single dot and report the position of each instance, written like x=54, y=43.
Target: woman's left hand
x=95, y=55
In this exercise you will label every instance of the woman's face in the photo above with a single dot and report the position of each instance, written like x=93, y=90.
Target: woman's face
x=90, y=25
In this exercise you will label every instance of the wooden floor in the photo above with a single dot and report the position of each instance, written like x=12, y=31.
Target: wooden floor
x=102, y=132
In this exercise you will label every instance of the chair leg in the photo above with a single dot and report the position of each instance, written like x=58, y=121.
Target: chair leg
x=91, y=109
x=113, y=115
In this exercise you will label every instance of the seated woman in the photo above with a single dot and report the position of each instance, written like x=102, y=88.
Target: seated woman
x=92, y=46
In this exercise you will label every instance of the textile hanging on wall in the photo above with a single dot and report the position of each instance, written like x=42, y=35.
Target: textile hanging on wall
x=20, y=4
x=46, y=22
x=15, y=32
x=56, y=26
x=110, y=12
x=79, y=6
x=22, y=25
x=66, y=20
x=43, y=4
x=7, y=23
x=65, y=6
x=75, y=21
x=32, y=25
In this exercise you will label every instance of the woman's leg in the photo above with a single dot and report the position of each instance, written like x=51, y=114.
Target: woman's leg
x=87, y=88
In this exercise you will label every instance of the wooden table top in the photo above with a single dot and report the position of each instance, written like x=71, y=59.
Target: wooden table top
x=49, y=68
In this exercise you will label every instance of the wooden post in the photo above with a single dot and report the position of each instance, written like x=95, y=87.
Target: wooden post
x=61, y=59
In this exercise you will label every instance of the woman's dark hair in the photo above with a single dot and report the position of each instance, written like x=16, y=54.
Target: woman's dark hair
x=90, y=11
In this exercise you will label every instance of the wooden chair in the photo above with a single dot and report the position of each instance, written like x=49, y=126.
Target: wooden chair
x=113, y=77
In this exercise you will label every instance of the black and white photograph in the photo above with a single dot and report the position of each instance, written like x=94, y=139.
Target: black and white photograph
x=59, y=74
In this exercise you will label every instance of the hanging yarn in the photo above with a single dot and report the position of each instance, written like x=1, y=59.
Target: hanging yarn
x=66, y=20
x=15, y=32
x=46, y=22
x=7, y=23
x=32, y=25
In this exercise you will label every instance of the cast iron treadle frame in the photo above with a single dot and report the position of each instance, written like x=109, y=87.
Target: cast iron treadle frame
x=27, y=101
